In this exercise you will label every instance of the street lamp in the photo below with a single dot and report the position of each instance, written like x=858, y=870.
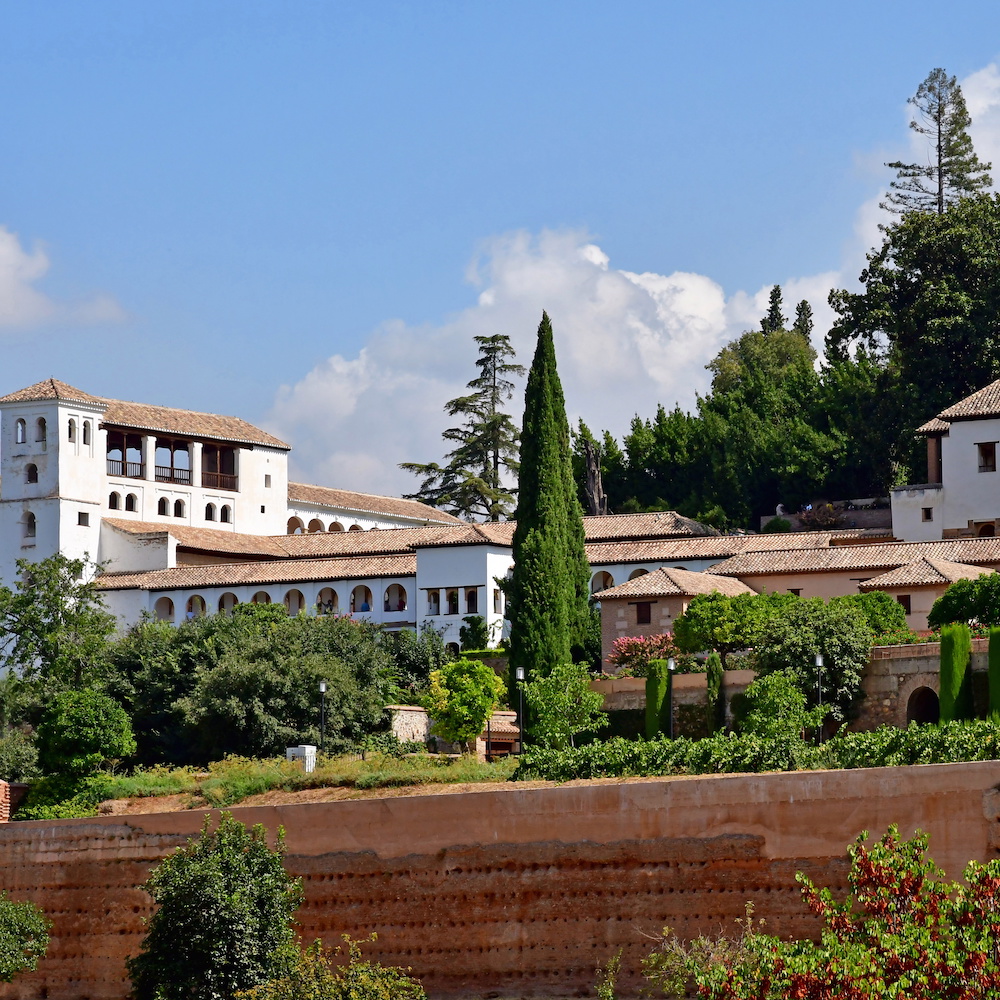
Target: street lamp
x=671, y=667
x=322, y=716
x=819, y=692
x=519, y=676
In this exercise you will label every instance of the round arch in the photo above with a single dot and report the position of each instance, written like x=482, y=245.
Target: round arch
x=361, y=598
x=315, y=525
x=327, y=602
x=336, y=526
x=295, y=526
x=636, y=573
x=261, y=597
x=227, y=602
x=987, y=531
x=602, y=581
x=923, y=707
x=196, y=607
x=163, y=609
x=395, y=598
x=294, y=602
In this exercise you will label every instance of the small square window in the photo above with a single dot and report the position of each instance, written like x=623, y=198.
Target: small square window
x=987, y=456
x=267, y=482
x=262, y=509
x=642, y=613
x=926, y=513
x=83, y=519
x=795, y=591
x=904, y=600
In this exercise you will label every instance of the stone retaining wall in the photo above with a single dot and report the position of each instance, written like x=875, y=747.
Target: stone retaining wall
x=515, y=892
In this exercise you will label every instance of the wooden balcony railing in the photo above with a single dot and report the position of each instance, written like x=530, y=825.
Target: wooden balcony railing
x=219, y=481
x=165, y=474
x=133, y=470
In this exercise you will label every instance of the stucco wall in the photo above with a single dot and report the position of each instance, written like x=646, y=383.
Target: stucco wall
x=516, y=892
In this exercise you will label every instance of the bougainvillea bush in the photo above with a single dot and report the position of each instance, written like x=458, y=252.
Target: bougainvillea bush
x=631, y=655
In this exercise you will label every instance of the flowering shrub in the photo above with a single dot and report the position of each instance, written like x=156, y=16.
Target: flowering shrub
x=632, y=654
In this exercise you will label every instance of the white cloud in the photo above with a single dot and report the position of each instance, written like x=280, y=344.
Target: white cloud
x=22, y=305
x=625, y=343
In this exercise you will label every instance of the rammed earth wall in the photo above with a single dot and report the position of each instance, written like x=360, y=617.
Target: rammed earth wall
x=517, y=892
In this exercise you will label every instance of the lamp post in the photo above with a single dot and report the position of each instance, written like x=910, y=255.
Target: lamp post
x=519, y=675
x=322, y=716
x=819, y=691
x=671, y=667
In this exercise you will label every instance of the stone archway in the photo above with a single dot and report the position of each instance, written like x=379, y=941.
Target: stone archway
x=923, y=706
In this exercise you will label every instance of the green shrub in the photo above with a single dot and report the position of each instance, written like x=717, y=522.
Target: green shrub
x=776, y=525
x=83, y=730
x=994, y=674
x=474, y=634
x=18, y=757
x=774, y=705
x=24, y=937
x=461, y=698
x=658, y=705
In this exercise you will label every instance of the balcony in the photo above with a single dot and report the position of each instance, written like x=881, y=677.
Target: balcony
x=167, y=474
x=131, y=470
x=219, y=481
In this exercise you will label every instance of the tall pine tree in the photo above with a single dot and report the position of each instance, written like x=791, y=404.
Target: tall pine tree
x=548, y=588
x=953, y=170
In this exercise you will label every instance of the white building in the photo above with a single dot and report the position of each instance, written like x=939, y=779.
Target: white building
x=191, y=513
x=961, y=497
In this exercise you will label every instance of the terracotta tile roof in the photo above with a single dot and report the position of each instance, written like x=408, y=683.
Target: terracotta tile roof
x=924, y=572
x=50, y=388
x=674, y=582
x=934, y=426
x=490, y=533
x=984, y=402
x=348, y=543
x=709, y=547
x=843, y=558
x=659, y=524
x=254, y=573
x=168, y=420
x=368, y=503
x=204, y=539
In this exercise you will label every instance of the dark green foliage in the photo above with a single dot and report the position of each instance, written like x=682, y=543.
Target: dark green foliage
x=955, y=687
x=250, y=683
x=474, y=634
x=18, y=756
x=415, y=655
x=81, y=731
x=974, y=602
x=803, y=324
x=715, y=700
x=776, y=525
x=952, y=170
x=994, y=674
x=561, y=706
x=728, y=753
x=775, y=706
x=773, y=320
x=548, y=590
x=883, y=613
x=658, y=704
x=223, y=918
x=839, y=631
x=472, y=483
x=54, y=632
x=24, y=937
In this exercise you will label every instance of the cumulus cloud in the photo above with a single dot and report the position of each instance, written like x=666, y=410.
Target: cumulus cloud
x=22, y=305
x=625, y=342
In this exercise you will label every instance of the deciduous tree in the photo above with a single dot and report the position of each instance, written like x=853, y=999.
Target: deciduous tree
x=461, y=697
x=562, y=706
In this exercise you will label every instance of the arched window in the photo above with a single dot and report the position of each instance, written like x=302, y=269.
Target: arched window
x=636, y=573
x=30, y=524
x=295, y=526
x=923, y=707
x=114, y=501
x=354, y=527
x=294, y=602
x=20, y=432
x=86, y=432
x=472, y=600
x=336, y=526
x=601, y=581
x=163, y=609
x=315, y=525
x=261, y=597
x=226, y=514
x=196, y=607
x=163, y=506
x=210, y=512
x=227, y=602
x=452, y=597
x=41, y=430
x=327, y=602
x=433, y=602
x=132, y=502
x=71, y=431
x=31, y=473
x=395, y=598
x=361, y=599
x=178, y=508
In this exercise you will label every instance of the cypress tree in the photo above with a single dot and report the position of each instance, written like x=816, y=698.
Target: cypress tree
x=548, y=588
x=658, y=705
x=955, y=679
x=994, y=674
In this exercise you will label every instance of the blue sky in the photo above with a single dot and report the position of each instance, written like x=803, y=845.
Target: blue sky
x=302, y=212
